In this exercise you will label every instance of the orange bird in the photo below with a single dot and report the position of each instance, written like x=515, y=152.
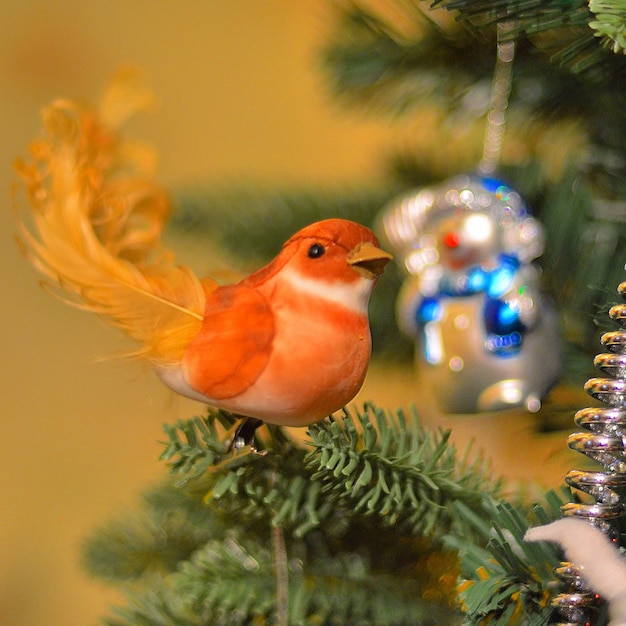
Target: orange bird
x=289, y=344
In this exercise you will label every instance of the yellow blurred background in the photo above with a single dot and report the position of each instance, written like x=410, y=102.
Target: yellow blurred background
x=240, y=99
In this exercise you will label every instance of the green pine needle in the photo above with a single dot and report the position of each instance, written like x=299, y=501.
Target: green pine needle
x=368, y=62
x=505, y=580
x=376, y=463
x=374, y=510
x=569, y=23
x=231, y=582
x=369, y=462
x=371, y=62
x=610, y=23
x=272, y=485
x=194, y=446
x=166, y=532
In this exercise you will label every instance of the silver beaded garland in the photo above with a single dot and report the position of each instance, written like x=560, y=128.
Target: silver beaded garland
x=603, y=442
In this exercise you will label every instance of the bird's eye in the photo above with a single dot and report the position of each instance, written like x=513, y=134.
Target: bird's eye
x=316, y=250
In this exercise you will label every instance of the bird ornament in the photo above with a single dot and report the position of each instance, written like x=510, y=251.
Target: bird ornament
x=289, y=344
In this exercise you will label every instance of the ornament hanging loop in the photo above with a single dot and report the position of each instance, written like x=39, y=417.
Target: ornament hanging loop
x=499, y=101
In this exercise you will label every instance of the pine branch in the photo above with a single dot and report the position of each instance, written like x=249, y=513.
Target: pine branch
x=372, y=62
x=195, y=445
x=572, y=24
x=165, y=533
x=368, y=61
x=231, y=582
x=386, y=465
x=273, y=487
x=583, y=259
x=507, y=581
x=364, y=512
x=609, y=23
x=341, y=569
x=221, y=583
x=371, y=463
x=532, y=15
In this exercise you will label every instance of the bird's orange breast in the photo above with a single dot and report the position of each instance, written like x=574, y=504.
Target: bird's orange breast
x=314, y=363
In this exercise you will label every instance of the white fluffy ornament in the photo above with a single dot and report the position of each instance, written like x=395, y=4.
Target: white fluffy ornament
x=594, y=554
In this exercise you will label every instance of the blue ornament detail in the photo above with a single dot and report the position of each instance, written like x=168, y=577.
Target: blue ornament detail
x=504, y=328
x=491, y=184
x=477, y=280
x=429, y=310
x=504, y=345
x=501, y=318
x=501, y=279
x=495, y=282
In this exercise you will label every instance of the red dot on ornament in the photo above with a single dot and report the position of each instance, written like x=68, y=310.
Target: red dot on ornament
x=451, y=240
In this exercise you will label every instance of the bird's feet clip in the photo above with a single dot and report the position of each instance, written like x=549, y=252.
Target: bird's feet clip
x=243, y=437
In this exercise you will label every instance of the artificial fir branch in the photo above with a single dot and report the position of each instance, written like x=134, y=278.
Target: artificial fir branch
x=369, y=62
x=195, y=445
x=166, y=532
x=577, y=31
x=230, y=582
x=505, y=580
x=272, y=486
x=344, y=563
x=374, y=63
x=610, y=23
x=371, y=462
x=375, y=509
x=376, y=463
x=374, y=498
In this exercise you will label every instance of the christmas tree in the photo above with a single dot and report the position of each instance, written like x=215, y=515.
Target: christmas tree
x=374, y=518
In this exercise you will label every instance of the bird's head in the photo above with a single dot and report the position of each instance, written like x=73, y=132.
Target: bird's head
x=336, y=259
x=336, y=251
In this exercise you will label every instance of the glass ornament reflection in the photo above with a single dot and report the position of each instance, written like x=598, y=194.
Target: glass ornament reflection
x=486, y=339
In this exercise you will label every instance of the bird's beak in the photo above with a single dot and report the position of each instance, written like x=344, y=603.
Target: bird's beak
x=368, y=259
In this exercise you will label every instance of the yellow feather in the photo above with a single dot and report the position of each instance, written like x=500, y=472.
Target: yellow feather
x=97, y=219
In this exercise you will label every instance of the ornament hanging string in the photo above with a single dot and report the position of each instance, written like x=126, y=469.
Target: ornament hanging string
x=499, y=100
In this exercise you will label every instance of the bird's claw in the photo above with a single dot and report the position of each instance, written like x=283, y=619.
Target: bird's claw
x=244, y=435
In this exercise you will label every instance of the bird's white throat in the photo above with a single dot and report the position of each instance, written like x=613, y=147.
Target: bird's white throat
x=353, y=295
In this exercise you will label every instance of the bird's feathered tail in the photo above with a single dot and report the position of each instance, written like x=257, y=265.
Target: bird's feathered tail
x=97, y=219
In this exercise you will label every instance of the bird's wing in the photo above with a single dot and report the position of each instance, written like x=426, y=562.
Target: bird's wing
x=234, y=345
x=96, y=221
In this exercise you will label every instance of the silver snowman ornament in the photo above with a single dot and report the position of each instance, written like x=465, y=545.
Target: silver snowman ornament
x=486, y=339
